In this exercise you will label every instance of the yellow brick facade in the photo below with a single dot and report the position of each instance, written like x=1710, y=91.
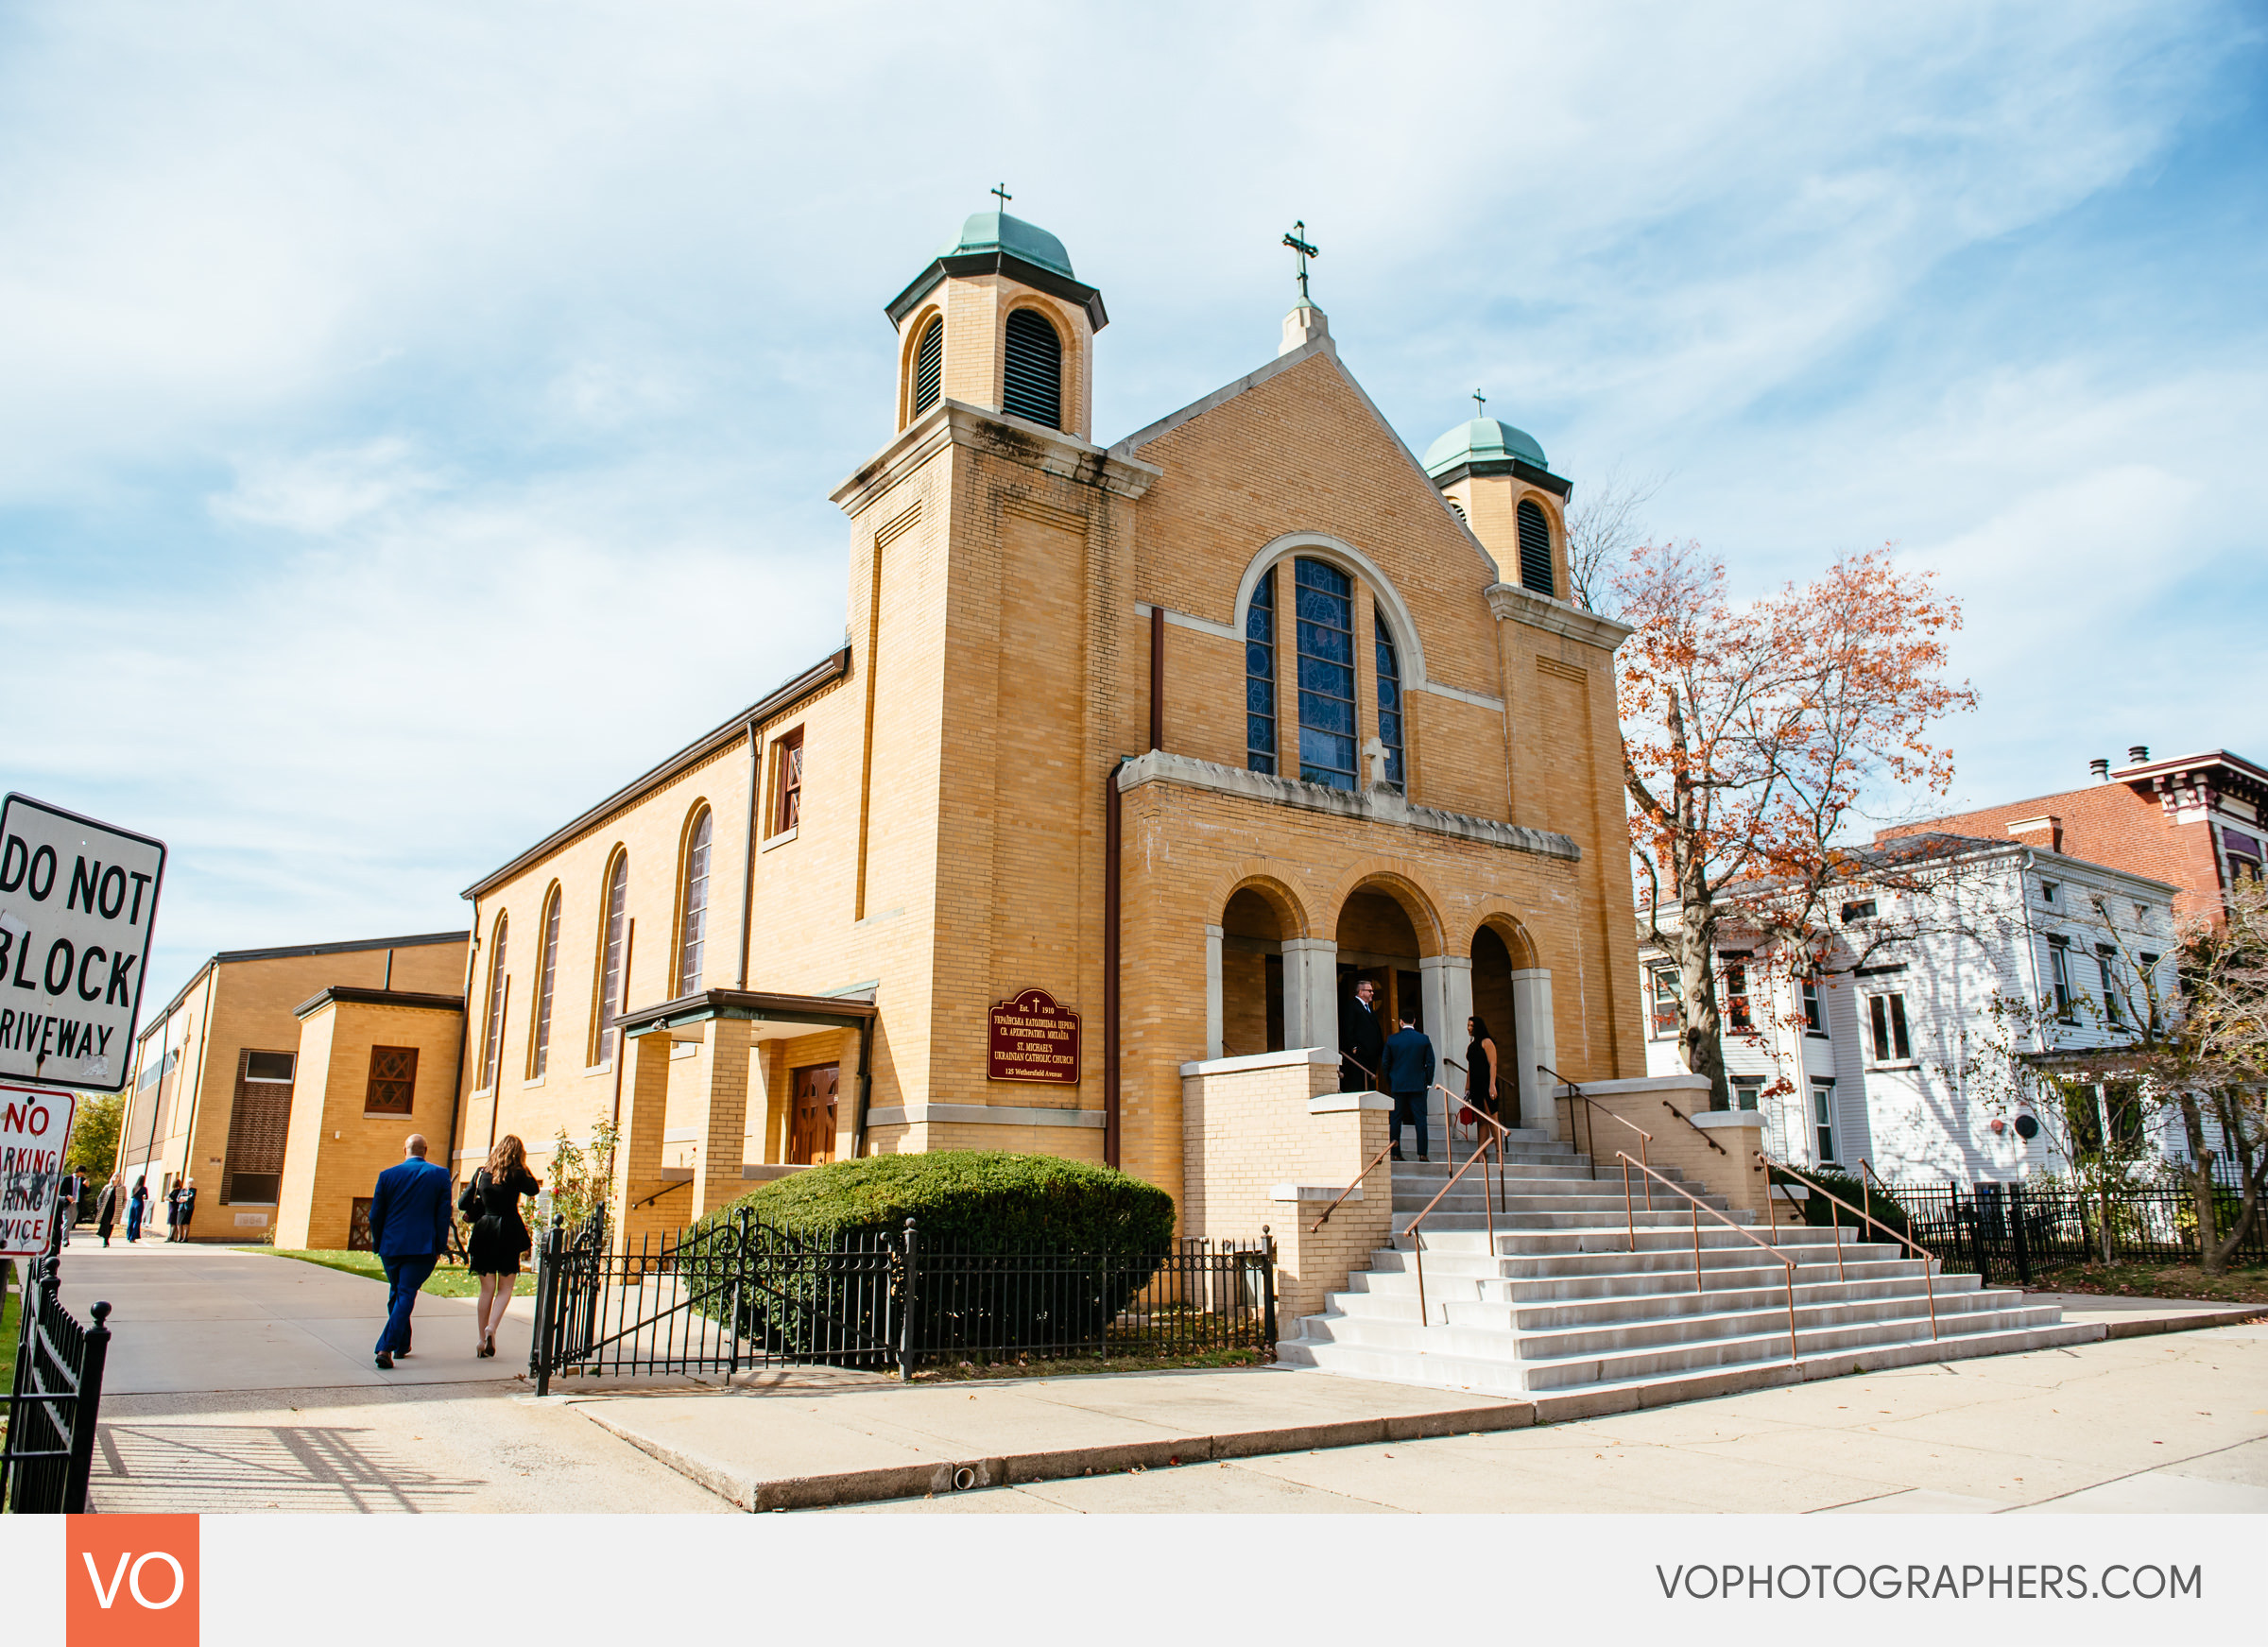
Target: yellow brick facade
x=961, y=758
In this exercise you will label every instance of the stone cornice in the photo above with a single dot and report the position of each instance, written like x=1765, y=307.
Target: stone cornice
x=1513, y=604
x=1377, y=806
x=957, y=424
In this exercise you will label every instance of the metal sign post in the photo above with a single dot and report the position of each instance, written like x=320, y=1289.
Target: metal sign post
x=77, y=900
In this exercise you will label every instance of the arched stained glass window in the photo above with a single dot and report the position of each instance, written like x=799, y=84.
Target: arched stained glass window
x=547, y=973
x=929, y=366
x=1259, y=676
x=1535, y=548
x=612, y=956
x=1034, y=389
x=1389, y=700
x=491, y=1046
x=693, y=926
x=1324, y=601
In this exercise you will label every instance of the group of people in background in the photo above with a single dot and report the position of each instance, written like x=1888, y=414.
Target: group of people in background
x=1403, y=1065
x=114, y=1198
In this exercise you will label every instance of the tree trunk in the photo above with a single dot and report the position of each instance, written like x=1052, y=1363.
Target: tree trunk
x=2201, y=1183
x=1700, y=1037
x=2248, y=1173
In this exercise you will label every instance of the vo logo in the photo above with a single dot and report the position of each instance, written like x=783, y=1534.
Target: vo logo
x=131, y=1580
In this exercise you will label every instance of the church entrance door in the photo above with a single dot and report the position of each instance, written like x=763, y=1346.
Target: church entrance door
x=811, y=1126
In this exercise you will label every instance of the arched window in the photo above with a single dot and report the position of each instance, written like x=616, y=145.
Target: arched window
x=613, y=956
x=1535, y=548
x=1259, y=676
x=693, y=920
x=1458, y=508
x=1389, y=700
x=929, y=366
x=491, y=1043
x=1034, y=389
x=1325, y=609
x=547, y=973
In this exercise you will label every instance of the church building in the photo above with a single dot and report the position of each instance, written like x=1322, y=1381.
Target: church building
x=1133, y=759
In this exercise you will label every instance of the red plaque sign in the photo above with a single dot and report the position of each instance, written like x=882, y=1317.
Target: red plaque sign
x=1034, y=1040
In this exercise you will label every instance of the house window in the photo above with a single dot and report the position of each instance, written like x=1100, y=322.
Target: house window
x=2106, y=958
x=1390, y=701
x=2059, y=968
x=1814, y=1013
x=1823, y=1119
x=1534, y=547
x=611, y=957
x=1886, y=1017
x=270, y=1066
x=692, y=914
x=491, y=1040
x=1663, y=990
x=1259, y=676
x=547, y=971
x=1863, y=909
x=393, y=1081
x=929, y=366
x=1747, y=1091
x=2048, y=890
x=787, y=782
x=1323, y=598
x=1736, y=994
x=2149, y=981
x=1034, y=389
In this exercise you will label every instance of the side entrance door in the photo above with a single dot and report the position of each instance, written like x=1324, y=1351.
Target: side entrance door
x=811, y=1129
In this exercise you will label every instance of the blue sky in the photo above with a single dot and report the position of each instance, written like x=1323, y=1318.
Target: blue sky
x=416, y=420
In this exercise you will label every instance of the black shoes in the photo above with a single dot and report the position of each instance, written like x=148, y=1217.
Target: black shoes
x=1397, y=1155
x=385, y=1361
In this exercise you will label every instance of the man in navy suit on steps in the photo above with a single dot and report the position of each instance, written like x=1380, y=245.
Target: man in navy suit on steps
x=410, y=1221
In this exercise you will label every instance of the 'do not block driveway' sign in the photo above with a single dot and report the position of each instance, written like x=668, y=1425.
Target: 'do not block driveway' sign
x=77, y=900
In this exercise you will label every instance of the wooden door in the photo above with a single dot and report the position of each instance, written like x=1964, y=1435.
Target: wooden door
x=811, y=1126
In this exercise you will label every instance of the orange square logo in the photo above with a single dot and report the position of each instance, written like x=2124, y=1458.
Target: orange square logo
x=131, y=1580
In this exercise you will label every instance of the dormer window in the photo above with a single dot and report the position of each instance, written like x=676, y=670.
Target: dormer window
x=1034, y=386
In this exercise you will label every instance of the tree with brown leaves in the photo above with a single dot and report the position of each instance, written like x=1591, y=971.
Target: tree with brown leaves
x=1751, y=732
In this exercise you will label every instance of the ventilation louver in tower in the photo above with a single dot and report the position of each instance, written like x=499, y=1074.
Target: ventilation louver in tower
x=1034, y=377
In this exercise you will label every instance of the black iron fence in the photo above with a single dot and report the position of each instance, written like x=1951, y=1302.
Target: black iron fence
x=744, y=1294
x=55, y=1401
x=2006, y=1232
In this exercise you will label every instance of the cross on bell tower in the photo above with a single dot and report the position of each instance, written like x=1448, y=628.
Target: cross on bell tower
x=1299, y=244
x=1305, y=324
x=1002, y=190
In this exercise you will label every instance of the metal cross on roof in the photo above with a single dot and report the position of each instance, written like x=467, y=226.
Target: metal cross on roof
x=1297, y=241
x=1002, y=190
x=1480, y=403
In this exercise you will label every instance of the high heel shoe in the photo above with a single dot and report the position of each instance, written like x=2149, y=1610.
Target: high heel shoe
x=488, y=1345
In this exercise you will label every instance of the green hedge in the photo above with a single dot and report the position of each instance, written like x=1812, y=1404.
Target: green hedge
x=965, y=1204
x=969, y=1201
x=1819, y=1211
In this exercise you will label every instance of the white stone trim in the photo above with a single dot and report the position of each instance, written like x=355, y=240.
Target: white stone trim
x=1511, y=603
x=1678, y=1083
x=1710, y=1119
x=980, y=1115
x=1312, y=1192
x=1162, y=766
x=1282, y=1060
x=1183, y=620
x=1459, y=693
x=1323, y=546
x=1342, y=1102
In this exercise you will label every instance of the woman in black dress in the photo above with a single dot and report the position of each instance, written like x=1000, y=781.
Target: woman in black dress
x=1480, y=1072
x=499, y=1236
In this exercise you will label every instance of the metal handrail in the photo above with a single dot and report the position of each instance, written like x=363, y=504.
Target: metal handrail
x=1415, y=1230
x=1630, y=1225
x=1929, y=1283
x=1574, y=1092
x=1351, y=1188
x=1694, y=1125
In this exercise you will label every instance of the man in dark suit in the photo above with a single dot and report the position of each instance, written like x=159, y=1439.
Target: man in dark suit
x=1409, y=1071
x=410, y=1220
x=1361, y=1041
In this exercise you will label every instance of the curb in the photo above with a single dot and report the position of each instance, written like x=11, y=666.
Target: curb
x=908, y=1481
x=2149, y=1326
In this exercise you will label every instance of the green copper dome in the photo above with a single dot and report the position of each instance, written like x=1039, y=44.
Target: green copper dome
x=998, y=231
x=1483, y=440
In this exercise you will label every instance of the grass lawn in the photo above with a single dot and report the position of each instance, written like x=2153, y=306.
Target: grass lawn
x=9, y=1313
x=450, y=1280
x=2246, y=1284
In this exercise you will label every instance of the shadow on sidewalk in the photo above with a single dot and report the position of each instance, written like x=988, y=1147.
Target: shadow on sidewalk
x=154, y=1469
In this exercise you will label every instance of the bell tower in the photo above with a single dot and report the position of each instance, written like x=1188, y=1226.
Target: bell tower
x=998, y=320
x=1497, y=478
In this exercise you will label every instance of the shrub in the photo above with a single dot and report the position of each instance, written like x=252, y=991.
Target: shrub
x=1819, y=1211
x=968, y=1206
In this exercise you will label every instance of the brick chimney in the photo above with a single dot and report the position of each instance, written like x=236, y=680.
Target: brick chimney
x=2044, y=832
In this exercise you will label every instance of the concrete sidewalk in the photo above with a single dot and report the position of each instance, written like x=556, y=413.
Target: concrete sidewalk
x=190, y=1318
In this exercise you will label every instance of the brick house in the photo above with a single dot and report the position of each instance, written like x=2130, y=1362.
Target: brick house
x=1135, y=757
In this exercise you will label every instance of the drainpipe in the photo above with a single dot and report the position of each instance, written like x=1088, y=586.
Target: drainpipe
x=747, y=878
x=1112, y=829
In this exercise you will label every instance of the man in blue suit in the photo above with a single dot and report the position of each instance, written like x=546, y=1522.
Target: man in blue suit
x=1409, y=1074
x=409, y=1226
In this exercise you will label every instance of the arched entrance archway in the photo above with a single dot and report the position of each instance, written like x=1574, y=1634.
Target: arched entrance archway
x=1252, y=934
x=1510, y=990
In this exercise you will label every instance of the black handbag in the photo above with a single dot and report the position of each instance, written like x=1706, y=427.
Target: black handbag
x=469, y=1199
